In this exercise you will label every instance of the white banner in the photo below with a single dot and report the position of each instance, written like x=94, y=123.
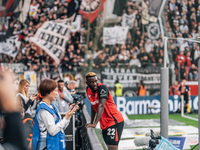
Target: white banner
x=121, y=34
x=145, y=15
x=76, y=25
x=10, y=46
x=108, y=15
x=113, y=35
x=128, y=20
x=109, y=35
x=24, y=8
x=52, y=38
x=17, y=68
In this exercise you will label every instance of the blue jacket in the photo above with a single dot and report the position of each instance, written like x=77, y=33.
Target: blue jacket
x=56, y=142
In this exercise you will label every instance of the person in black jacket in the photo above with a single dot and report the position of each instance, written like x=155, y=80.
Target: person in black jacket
x=13, y=136
x=23, y=96
x=28, y=127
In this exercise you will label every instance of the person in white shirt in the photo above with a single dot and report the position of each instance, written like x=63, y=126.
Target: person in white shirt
x=64, y=97
x=48, y=130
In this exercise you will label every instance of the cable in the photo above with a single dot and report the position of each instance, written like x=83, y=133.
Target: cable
x=195, y=146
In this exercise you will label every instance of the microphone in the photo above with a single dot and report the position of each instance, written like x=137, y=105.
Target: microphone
x=142, y=141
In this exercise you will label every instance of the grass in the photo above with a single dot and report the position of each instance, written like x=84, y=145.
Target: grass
x=193, y=115
x=176, y=117
x=195, y=147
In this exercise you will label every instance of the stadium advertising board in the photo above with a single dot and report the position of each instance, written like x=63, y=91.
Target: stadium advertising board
x=146, y=105
x=150, y=104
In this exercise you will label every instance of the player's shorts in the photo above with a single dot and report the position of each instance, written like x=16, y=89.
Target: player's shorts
x=112, y=134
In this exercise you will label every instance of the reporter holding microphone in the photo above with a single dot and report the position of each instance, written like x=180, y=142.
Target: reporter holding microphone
x=48, y=130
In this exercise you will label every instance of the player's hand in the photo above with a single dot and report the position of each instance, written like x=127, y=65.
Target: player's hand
x=90, y=125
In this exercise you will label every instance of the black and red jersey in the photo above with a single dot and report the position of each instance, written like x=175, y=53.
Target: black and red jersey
x=111, y=115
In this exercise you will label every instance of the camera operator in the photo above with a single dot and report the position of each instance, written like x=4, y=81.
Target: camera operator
x=71, y=86
x=14, y=138
x=64, y=97
x=81, y=141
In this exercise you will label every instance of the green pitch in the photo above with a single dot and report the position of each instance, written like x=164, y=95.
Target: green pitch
x=176, y=117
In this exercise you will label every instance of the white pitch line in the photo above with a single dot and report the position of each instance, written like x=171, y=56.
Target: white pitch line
x=188, y=117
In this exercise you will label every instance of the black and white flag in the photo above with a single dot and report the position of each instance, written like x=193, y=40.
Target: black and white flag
x=52, y=38
x=10, y=46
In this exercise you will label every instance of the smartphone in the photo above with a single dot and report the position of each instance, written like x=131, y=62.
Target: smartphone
x=75, y=104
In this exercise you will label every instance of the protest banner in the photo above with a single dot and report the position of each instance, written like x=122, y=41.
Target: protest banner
x=109, y=35
x=52, y=38
x=128, y=20
x=121, y=34
x=130, y=77
x=114, y=35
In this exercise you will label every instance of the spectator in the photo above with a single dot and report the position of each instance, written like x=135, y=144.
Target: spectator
x=48, y=129
x=142, y=89
x=184, y=90
x=182, y=72
x=193, y=73
x=118, y=89
x=174, y=89
x=188, y=61
x=71, y=86
x=145, y=61
x=180, y=59
x=13, y=132
x=63, y=99
x=28, y=127
x=196, y=61
x=23, y=96
x=134, y=62
x=197, y=52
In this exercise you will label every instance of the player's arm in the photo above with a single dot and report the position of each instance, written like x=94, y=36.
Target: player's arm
x=93, y=113
x=100, y=110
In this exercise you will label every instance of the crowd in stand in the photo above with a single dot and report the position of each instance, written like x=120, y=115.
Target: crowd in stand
x=138, y=50
x=33, y=56
x=182, y=21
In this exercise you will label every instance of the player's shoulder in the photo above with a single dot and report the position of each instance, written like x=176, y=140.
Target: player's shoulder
x=102, y=86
